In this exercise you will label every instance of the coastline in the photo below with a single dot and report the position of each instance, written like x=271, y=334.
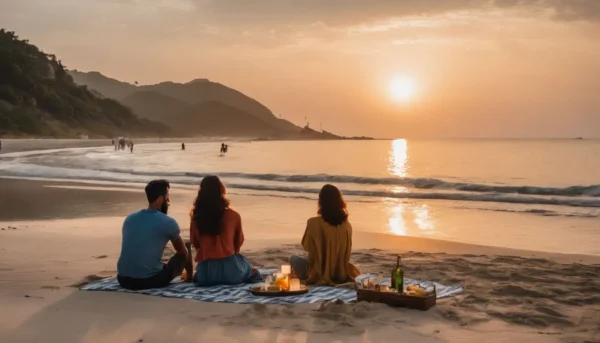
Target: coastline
x=21, y=144
x=524, y=295
x=12, y=145
x=34, y=200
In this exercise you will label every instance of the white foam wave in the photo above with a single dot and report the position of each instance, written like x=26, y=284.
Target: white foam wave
x=31, y=170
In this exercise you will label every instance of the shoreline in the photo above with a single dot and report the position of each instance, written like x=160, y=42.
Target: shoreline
x=93, y=200
x=21, y=144
x=12, y=145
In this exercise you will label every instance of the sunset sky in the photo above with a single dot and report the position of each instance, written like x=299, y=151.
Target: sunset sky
x=476, y=68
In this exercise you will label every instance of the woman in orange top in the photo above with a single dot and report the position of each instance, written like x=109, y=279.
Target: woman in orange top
x=217, y=236
x=328, y=241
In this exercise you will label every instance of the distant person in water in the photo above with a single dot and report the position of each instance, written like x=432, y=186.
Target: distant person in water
x=145, y=236
x=328, y=242
x=217, y=236
x=182, y=146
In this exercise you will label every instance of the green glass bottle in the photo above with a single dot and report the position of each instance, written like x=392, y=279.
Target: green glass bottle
x=398, y=277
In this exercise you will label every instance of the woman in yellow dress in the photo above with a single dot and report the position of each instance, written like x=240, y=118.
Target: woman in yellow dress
x=328, y=241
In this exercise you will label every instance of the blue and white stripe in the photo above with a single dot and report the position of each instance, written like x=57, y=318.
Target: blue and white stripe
x=240, y=294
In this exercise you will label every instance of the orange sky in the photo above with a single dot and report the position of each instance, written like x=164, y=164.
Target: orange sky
x=481, y=68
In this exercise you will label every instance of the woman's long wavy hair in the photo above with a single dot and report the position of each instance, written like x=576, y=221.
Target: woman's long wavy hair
x=332, y=207
x=210, y=206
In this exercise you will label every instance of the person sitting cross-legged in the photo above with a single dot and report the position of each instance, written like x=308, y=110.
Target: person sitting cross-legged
x=328, y=243
x=145, y=236
x=217, y=235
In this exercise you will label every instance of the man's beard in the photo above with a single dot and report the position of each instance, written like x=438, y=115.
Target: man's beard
x=164, y=208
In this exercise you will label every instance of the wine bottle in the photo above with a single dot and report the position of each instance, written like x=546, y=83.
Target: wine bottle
x=398, y=277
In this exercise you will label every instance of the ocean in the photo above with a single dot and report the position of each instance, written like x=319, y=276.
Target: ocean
x=526, y=194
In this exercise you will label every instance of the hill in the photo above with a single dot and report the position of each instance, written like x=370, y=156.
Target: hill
x=106, y=86
x=214, y=118
x=154, y=105
x=308, y=133
x=161, y=100
x=200, y=108
x=39, y=98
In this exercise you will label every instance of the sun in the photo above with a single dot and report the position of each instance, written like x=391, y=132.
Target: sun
x=402, y=88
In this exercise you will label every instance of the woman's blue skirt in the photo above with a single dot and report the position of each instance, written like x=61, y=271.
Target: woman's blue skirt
x=232, y=270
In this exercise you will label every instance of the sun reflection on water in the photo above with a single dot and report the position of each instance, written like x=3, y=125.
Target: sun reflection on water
x=423, y=218
x=406, y=219
x=398, y=157
x=410, y=220
x=396, y=221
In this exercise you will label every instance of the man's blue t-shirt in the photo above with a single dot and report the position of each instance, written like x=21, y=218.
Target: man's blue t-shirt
x=145, y=235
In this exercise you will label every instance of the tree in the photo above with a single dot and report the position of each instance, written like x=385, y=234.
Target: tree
x=8, y=94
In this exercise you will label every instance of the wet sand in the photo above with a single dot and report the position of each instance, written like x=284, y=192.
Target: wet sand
x=17, y=145
x=36, y=200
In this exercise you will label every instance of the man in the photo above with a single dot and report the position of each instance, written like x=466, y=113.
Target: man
x=145, y=236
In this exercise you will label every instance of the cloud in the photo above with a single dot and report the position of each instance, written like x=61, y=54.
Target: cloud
x=352, y=12
x=183, y=5
x=425, y=40
x=301, y=23
x=588, y=10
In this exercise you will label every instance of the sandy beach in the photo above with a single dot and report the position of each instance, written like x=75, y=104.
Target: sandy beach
x=55, y=235
x=447, y=148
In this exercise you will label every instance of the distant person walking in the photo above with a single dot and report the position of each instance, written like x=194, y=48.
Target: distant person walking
x=132, y=146
x=182, y=146
x=223, y=150
x=226, y=147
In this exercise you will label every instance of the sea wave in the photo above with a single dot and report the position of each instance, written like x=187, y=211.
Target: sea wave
x=536, y=211
x=418, y=183
x=409, y=182
x=488, y=197
x=119, y=175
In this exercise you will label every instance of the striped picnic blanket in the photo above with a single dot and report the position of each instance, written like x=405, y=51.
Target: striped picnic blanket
x=240, y=294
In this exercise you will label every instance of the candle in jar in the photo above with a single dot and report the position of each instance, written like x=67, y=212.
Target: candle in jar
x=294, y=284
x=286, y=269
x=282, y=282
x=286, y=283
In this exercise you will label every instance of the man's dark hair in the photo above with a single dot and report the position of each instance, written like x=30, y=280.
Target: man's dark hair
x=155, y=189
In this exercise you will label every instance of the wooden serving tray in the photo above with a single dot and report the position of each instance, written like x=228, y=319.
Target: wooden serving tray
x=398, y=300
x=258, y=292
